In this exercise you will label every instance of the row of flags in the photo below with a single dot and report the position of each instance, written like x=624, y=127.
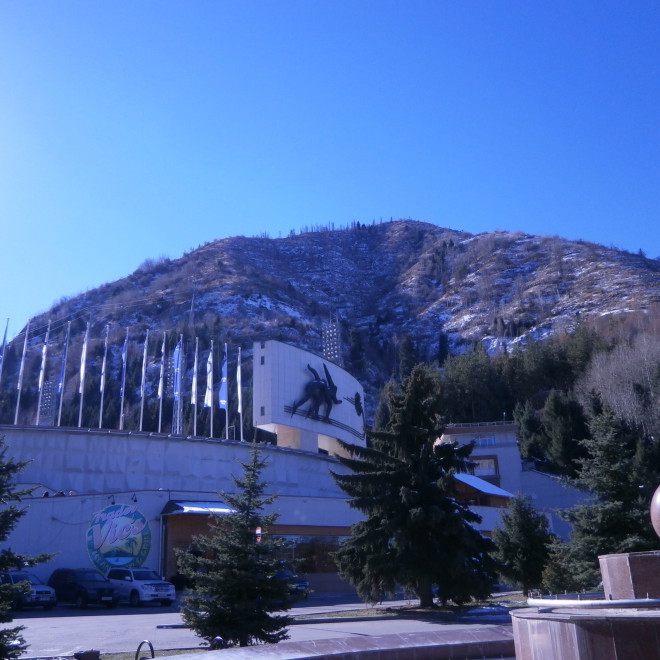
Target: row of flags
x=178, y=373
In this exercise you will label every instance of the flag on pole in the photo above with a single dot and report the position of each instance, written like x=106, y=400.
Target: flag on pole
x=44, y=353
x=83, y=360
x=208, y=397
x=81, y=389
x=42, y=372
x=20, y=373
x=4, y=345
x=124, y=355
x=193, y=395
x=105, y=360
x=144, y=364
x=240, y=394
x=161, y=385
x=144, y=375
x=65, y=353
x=103, y=366
x=161, y=380
x=177, y=370
x=122, y=387
x=22, y=368
x=238, y=383
x=60, y=384
x=43, y=366
x=222, y=394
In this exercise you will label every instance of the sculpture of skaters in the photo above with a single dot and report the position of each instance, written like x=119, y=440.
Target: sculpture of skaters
x=321, y=392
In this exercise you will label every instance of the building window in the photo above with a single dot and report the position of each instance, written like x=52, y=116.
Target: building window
x=263, y=411
x=263, y=360
x=487, y=468
x=485, y=442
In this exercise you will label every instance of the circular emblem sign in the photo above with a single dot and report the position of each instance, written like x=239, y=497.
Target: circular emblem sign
x=118, y=535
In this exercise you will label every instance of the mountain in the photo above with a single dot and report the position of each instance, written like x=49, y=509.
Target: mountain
x=441, y=287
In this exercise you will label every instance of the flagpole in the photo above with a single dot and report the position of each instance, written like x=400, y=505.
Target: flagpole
x=176, y=408
x=208, y=401
x=83, y=361
x=240, y=396
x=144, y=373
x=182, y=363
x=103, y=365
x=124, y=358
x=60, y=385
x=42, y=372
x=161, y=386
x=193, y=397
x=223, y=399
x=4, y=347
x=20, y=373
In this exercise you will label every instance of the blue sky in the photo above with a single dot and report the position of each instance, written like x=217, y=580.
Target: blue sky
x=133, y=130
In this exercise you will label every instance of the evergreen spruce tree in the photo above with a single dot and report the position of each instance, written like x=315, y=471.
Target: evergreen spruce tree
x=617, y=518
x=523, y=544
x=12, y=644
x=415, y=532
x=565, y=427
x=531, y=438
x=407, y=357
x=234, y=571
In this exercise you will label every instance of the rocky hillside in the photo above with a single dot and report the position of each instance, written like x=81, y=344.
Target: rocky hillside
x=439, y=286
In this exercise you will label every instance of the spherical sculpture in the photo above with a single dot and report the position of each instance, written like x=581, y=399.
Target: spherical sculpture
x=655, y=511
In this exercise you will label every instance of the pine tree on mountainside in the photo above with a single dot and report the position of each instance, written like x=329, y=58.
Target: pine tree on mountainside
x=234, y=571
x=407, y=357
x=12, y=644
x=415, y=532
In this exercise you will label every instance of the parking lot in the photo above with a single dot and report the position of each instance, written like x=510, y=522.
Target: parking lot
x=66, y=630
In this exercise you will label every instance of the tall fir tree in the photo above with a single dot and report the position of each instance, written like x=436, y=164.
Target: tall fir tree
x=523, y=543
x=416, y=533
x=407, y=357
x=620, y=470
x=12, y=644
x=234, y=570
x=564, y=426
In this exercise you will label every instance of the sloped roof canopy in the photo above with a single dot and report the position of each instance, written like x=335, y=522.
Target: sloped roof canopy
x=482, y=485
x=174, y=507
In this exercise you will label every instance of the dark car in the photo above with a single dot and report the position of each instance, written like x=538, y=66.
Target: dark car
x=82, y=586
x=298, y=586
x=37, y=595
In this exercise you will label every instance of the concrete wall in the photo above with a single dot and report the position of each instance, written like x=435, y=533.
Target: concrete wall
x=91, y=461
x=96, y=472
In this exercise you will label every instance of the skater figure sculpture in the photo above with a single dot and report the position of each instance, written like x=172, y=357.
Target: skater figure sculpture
x=321, y=392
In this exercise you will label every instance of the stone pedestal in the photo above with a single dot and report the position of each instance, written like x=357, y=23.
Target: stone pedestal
x=631, y=575
x=573, y=634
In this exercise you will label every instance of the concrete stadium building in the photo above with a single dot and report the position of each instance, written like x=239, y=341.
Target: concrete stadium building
x=110, y=498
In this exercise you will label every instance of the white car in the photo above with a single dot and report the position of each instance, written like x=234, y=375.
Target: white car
x=141, y=585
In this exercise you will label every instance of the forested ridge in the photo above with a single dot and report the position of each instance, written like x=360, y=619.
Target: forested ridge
x=508, y=317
